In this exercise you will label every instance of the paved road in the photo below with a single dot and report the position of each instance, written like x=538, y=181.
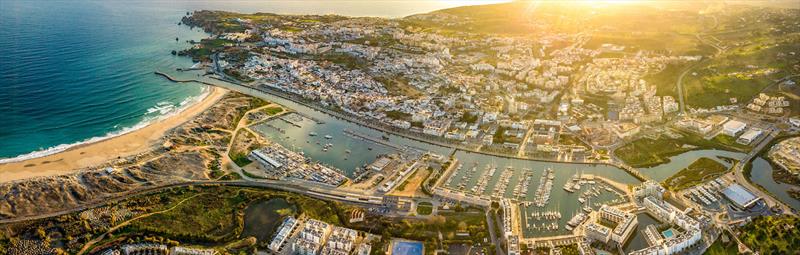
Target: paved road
x=495, y=241
x=679, y=84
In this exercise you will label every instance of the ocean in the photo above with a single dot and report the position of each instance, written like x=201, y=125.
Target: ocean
x=78, y=71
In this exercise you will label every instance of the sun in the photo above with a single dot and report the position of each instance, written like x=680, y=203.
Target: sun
x=593, y=3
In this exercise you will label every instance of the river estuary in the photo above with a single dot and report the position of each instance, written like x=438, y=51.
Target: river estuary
x=306, y=129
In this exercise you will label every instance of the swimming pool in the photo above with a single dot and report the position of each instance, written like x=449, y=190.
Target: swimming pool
x=407, y=248
x=669, y=233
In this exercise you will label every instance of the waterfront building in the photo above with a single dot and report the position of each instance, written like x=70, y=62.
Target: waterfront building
x=598, y=232
x=264, y=159
x=625, y=223
x=513, y=245
x=380, y=164
x=652, y=235
x=673, y=244
x=647, y=189
x=508, y=216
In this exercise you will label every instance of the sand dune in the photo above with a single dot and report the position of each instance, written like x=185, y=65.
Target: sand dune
x=94, y=154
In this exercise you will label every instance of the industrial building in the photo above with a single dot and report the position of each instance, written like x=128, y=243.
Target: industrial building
x=733, y=128
x=740, y=197
x=750, y=136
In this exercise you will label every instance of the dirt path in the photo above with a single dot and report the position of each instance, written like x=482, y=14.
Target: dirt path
x=125, y=223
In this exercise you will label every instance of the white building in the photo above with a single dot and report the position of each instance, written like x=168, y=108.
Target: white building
x=667, y=213
x=598, y=232
x=733, y=128
x=749, y=136
x=647, y=189
x=283, y=233
x=626, y=223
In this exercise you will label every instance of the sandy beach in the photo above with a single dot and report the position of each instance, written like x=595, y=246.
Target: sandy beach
x=93, y=154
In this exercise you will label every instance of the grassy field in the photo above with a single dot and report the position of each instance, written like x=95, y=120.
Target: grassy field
x=666, y=80
x=730, y=142
x=456, y=227
x=772, y=234
x=700, y=170
x=272, y=110
x=741, y=72
x=243, y=142
x=710, y=89
x=214, y=215
x=648, y=152
x=424, y=208
x=196, y=219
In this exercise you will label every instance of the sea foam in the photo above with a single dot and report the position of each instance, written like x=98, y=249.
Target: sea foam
x=164, y=110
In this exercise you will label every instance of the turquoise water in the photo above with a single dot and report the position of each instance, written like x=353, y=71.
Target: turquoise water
x=76, y=71
x=668, y=233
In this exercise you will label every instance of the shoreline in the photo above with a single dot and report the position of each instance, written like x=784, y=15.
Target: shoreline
x=93, y=153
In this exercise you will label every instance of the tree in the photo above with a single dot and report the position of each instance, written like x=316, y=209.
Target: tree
x=40, y=233
x=458, y=207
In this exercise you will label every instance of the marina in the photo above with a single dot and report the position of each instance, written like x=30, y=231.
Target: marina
x=544, y=210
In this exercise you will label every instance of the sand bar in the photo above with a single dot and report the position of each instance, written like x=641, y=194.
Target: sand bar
x=97, y=153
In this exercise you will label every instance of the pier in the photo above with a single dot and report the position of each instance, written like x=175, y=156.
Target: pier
x=173, y=79
x=289, y=122
x=276, y=128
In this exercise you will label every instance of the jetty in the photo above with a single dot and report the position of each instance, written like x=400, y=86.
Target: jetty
x=289, y=122
x=173, y=79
